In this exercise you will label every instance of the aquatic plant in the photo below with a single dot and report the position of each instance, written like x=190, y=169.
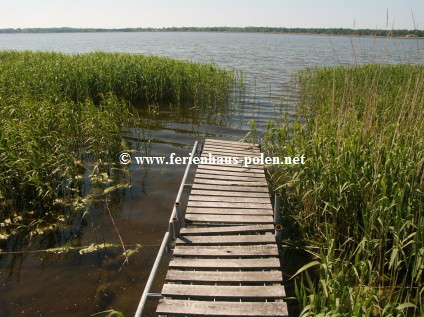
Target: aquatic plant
x=62, y=120
x=132, y=77
x=357, y=204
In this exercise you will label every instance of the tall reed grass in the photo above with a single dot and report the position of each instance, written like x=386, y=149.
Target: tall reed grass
x=358, y=202
x=59, y=112
x=132, y=77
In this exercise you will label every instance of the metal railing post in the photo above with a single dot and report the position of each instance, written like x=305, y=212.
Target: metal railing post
x=278, y=234
x=277, y=208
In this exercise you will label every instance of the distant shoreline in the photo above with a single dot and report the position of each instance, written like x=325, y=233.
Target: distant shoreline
x=414, y=34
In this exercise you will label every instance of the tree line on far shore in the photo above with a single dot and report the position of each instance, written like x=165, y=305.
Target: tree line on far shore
x=250, y=29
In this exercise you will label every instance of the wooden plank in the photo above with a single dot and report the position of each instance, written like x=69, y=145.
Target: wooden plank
x=223, y=291
x=229, y=277
x=230, y=150
x=205, y=218
x=268, y=263
x=228, y=173
x=234, y=168
x=238, y=199
x=239, y=239
x=218, y=154
x=229, y=182
x=231, y=177
x=228, y=193
x=226, y=204
x=238, y=165
x=230, y=143
x=222, y=188
x=209, y=308
x=227, y=251
x=228, y=230
x=229, y=147
x=229, y=211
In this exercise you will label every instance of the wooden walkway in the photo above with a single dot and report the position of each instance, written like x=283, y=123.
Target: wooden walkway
x=226, y=261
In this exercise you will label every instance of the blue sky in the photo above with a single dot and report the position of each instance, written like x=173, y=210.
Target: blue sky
x=165, y=13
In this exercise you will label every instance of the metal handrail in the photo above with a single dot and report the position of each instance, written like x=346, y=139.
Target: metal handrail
x=166, y=239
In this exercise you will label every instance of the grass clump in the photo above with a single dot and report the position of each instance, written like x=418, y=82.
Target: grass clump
x=358, y=202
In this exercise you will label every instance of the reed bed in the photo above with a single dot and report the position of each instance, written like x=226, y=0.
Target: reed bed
x=62, y=119
x=357, y=204
x=132, y=77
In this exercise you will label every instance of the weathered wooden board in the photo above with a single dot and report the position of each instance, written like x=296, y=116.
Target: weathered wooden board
x=218, y=154
x=267, y=263
x=227, y=251
x=237, y=199
x=220, y=188
x=229, y=173
x=229, y=152
x=223, y=291
x=229, y=182
x=228, y=218
x=222, y=276
x=234, y=167
x=233, y=193
x=227, y=204
x=230, y=143
x=229, y=211
x=227, y=239
x=231, y=178
x=209, y=308
x=228, y=230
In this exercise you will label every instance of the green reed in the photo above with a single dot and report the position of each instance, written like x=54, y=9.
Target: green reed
x=62, y=118
x=132, y=77
x=358, y=202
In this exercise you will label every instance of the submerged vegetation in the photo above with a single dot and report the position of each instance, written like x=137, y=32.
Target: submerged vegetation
x=358, y=202
x=63, y=116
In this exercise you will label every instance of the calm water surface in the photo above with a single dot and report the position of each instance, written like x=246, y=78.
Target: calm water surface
x=72, y=284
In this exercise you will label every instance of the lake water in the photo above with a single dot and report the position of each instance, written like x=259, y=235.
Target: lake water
x=72, y=284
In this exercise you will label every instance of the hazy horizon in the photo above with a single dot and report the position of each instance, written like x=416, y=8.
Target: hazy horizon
x=362, y=14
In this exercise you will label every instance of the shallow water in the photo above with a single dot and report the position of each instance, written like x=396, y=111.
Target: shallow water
x=72, y=284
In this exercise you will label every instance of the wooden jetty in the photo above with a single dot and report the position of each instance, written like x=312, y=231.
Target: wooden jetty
x=225, y=259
